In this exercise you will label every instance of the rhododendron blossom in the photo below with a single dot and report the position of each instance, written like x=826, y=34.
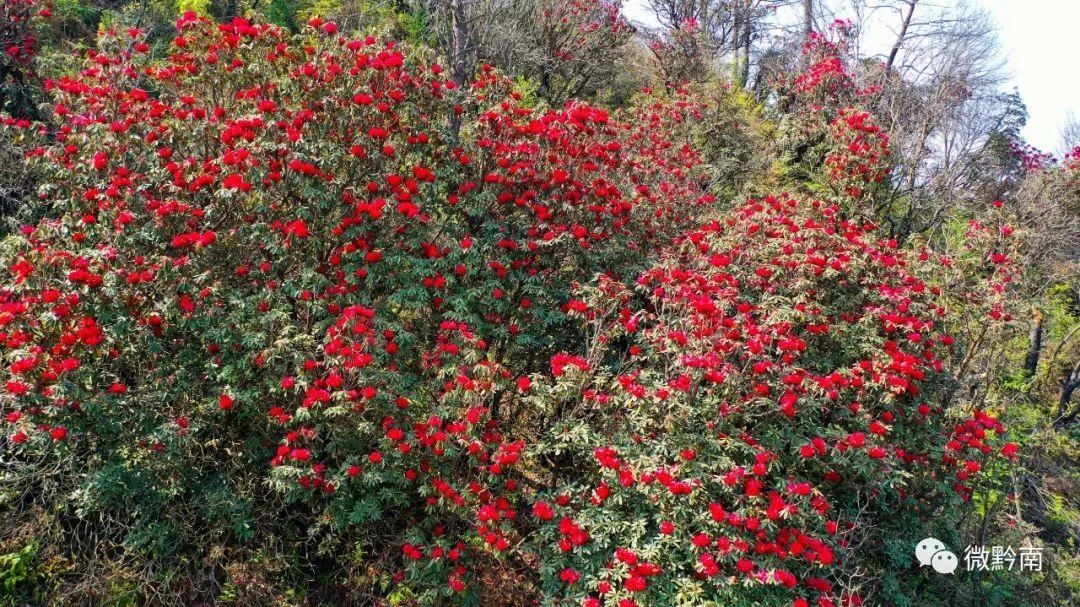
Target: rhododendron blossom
x=445, y=333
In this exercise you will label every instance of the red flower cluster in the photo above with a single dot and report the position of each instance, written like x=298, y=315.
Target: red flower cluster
x=282, y=243
x=410, y=309
x=859, y=159
x=741, y=424
x=18, y=41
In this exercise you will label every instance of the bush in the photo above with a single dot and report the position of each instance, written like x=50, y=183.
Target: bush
x=305, y=323
x=278, y=314
x=759, y=422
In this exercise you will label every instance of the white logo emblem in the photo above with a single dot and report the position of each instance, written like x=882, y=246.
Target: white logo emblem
x=932, y=552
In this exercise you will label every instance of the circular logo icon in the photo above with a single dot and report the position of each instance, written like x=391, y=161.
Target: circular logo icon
x=932, y=552
x=944, y=561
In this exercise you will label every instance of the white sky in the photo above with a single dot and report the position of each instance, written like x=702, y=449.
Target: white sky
x=1038, y=38
x=1038, y=43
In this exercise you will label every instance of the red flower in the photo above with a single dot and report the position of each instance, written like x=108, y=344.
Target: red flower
x=236, y=182
x=1010, y=450
x=523, y=384
x=17, y=388
x=297, y=228
x=543, y=511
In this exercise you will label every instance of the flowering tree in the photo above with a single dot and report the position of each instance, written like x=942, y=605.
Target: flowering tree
x=275, y=270
x=761, y=420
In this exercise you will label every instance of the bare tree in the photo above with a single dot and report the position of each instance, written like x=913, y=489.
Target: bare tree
x=1070, y=133
x=902, y=34
x=568, y=48
x=941, y=103
x=737, y=33
x=714, y=18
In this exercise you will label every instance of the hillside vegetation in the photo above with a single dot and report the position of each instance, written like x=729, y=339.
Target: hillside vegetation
x=515, y=303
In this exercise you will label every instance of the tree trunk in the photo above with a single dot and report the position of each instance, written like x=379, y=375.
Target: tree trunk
x=459, y=43
x=735, y=29
x=1031, y=361
x=1067, y=389
x=1069, y=383
x=900, y=36
x=808, y=19
x=744, y=74
x=459, y=55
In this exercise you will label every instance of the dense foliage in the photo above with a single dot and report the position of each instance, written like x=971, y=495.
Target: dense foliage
x=279, y=260
x=300, y=317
